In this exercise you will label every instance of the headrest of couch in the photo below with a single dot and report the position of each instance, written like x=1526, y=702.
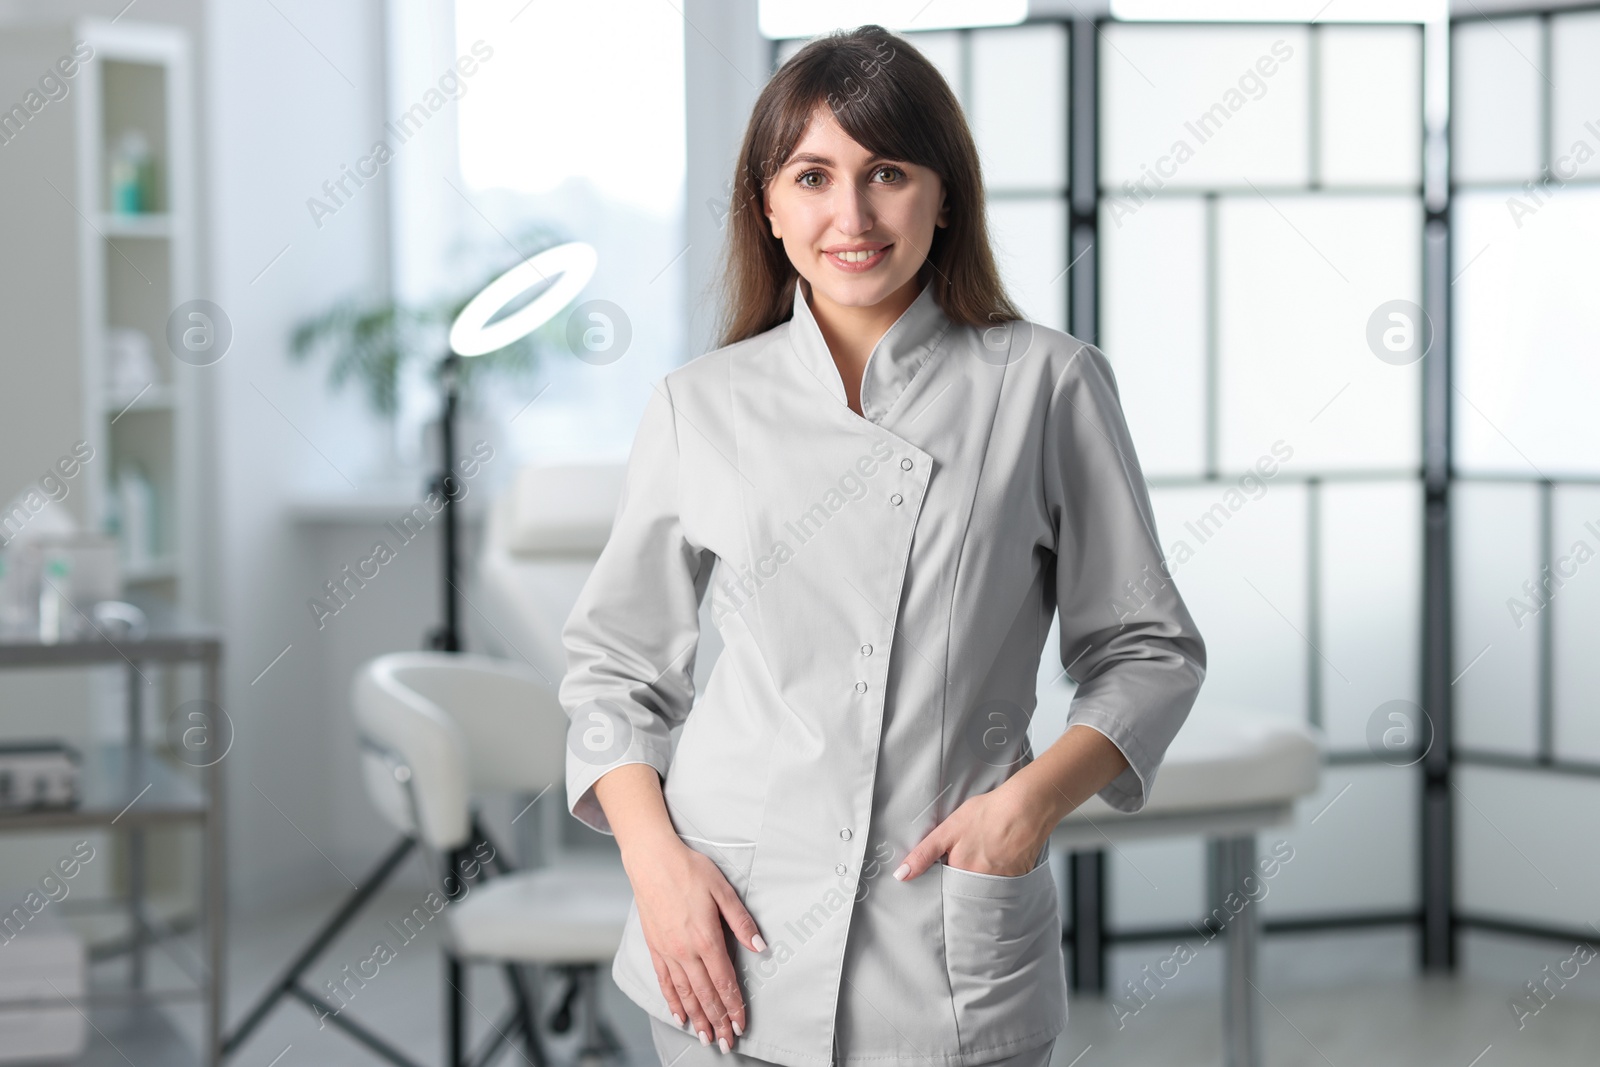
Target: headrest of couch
x=559, y=510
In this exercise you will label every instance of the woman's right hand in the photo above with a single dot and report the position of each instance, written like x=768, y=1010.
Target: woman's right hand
x=683, y=901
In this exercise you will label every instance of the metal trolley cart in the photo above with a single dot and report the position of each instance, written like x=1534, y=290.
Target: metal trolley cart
x=127, y=788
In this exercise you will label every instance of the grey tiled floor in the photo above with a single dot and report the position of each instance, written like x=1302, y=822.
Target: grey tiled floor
x=1334, y=999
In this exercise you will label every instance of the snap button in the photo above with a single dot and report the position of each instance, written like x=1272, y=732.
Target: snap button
x=905, y=464
x=866, y=650
x=861, y=687
x=845, y=834
x=896, y=499
x=840, y=868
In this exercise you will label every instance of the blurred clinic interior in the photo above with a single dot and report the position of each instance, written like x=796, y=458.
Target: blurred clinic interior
x=327, y=330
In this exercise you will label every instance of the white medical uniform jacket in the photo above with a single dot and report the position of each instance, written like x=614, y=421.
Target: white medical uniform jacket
x=883, y=586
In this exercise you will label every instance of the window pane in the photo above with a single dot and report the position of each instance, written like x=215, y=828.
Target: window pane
x=1526, y=279
x=1155, y=883
x=556, y=175
x=1019, y=106
x=1575, y=539
x=1575, y=99
x=1516, y=855
x=1495, y=114
x=1030, y=240
x=1495, y=529
x=1371, y=586
x=1370, y=829
x=943, y=50
x=1201, y=92
x=1299, y=279
x=1240, y=564
x=1153, y=263
x=1371, y=105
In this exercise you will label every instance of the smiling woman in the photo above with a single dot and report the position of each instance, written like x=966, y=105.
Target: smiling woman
x=865, y=724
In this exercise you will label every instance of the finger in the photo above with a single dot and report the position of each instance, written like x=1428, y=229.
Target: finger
x=738, y=919
x=719, y=1030
x=922, y=857
x=691, y=1003
x=668, y=990
x=725, y=980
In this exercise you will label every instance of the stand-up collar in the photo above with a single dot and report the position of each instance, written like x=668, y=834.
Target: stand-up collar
x=902, y=350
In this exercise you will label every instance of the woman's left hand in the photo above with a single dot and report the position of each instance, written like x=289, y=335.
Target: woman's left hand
x=998, y=832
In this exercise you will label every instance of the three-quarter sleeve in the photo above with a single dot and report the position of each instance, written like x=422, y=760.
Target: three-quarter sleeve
x=1126, y=635
x=634, y=631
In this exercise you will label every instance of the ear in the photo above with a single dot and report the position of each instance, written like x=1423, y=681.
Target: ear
x=772, y=219
x=944, y=213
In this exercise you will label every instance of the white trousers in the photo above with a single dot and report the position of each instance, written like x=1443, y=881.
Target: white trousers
x=680, y=1048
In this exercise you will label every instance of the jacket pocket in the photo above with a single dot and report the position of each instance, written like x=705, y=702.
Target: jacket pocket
x=1003, y=950
x=632, y=969
x=733, y=858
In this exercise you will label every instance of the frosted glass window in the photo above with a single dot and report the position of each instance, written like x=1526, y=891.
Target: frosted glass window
x=1155, y=883
x=1495, y=92
x=1240, y=564
x=1495, y=529
x=1516, y=853
x=1371, y=105
x=1575, y=100
x=1360, y=853
x=1192, y=107
x=1575, y=534
x=943, y=50
x=1030, y=243
x=1371, y=591
x=1019, y=106
x=1526, y=366
x=1153, y=327
x=1299, y=279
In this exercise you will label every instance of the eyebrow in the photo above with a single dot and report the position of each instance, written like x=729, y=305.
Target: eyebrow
x=824, y=161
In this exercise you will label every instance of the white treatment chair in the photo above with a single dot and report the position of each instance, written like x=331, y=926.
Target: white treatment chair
x=438, y=729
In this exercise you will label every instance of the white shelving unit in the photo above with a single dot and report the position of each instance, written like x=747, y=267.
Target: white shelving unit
x=73, y=268
x=110, y=269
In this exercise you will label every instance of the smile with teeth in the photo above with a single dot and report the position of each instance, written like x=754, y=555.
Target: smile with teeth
x=859, y=257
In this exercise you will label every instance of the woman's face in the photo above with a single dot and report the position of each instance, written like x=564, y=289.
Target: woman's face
x=857, y=227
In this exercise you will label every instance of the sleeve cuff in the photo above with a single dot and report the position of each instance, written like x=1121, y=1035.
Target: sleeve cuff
x=581, y=776
x=1130, y=790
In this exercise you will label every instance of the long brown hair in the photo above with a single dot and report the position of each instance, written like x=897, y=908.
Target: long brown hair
x=893, y=102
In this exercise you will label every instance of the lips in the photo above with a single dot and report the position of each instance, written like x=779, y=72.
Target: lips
x=859, y=259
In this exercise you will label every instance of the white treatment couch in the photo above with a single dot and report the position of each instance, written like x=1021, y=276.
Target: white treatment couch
x=1227, y=775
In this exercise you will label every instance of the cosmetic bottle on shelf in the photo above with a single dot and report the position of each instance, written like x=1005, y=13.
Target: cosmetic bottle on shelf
x=131, y=174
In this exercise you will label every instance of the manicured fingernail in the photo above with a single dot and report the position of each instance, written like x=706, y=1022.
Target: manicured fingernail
x=901, y=871
x=761, y=946
x=738, y=1031
x=704, y=1040
x=722, y=1043
x=677, y=1018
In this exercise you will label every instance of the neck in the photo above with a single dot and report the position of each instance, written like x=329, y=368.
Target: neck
x=853, y=332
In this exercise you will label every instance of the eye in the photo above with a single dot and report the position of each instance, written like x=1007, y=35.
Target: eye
x=891, y=170
x=801, y=179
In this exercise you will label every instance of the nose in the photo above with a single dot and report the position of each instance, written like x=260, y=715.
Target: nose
x=852, y=210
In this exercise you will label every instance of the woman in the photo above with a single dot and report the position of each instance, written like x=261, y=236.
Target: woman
x=887, y=482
